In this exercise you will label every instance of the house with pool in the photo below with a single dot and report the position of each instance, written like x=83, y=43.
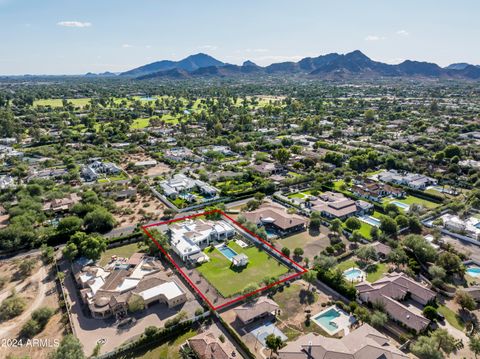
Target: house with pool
x=276, y=220
x=188, y=238
x=363, y=342
x=402, y=298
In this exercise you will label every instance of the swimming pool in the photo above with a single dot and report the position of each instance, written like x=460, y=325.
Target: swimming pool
x=401, y=205
x=147, y=98
x=370, y=220
x=227, y=252
x=333, y=320
x=473, y=272
x=353, y=274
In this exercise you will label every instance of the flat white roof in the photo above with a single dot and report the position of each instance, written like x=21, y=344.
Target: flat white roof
x=169, y=289
x=127, y=283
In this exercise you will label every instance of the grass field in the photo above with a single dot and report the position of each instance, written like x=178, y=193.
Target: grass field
x=229, y=281
x=170, y=349
x=58, y=102
x=125, y=251
x=414, y=200
x=451, y=317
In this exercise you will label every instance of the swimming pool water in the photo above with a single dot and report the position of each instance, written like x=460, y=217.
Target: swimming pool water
x=400, y=204
x=227, y=252
x=371, y=220
x=326, y=318
x=473, y=271
x=352, y=274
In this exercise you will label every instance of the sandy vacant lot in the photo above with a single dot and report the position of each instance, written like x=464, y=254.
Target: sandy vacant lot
x=39, y=291
x=143, y=208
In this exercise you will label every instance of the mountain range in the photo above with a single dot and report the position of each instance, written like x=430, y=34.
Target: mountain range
x=331, y=66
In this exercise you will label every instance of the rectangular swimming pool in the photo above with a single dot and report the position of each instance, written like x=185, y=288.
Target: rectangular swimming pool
x=401, y=205
x=370, y=220
x=227, y=252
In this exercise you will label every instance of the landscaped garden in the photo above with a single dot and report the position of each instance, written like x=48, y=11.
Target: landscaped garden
x=229, y=280
x=374, y=271
x=125, y=251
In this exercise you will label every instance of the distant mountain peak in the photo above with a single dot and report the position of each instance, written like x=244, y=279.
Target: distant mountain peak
x=249, y=63
x=335, y=66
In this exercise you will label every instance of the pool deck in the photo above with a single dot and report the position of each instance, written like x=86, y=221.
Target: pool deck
x=343, y=322
x=360, y=278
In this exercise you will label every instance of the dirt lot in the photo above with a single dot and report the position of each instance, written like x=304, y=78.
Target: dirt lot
x=157, y=170
x=143, y=208
x=312, y=244
x=39, y=291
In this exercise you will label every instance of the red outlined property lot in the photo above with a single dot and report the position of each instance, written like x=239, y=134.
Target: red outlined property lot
x=272, y=251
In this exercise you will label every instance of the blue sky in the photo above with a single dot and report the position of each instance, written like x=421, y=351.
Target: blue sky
x=77, y=36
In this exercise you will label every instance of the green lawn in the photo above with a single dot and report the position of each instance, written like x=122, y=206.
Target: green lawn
x=346, y=265
x=125, y=251
x=374, y=273
x=338, y=184
x=58, y=102
x=171, y=349
x=380, y=270
x=451, y=317
x=229, y=281
x=120, y=177
x=140, y=123
x=414, y=200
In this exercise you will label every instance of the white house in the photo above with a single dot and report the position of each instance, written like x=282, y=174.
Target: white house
x=188, y=238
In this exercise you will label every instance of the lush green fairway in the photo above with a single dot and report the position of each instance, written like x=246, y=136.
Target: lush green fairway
x=229, y=281
x=58, y=102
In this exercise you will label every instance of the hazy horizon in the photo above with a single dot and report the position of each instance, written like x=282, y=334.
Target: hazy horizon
x=54, y=37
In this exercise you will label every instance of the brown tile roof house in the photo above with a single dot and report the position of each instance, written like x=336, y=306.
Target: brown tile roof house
x=393, y=288
x=364, y=342
x=207, y=346
x=381, y=249
x=262, y=307
x=335, y=205
x=62, y=204
x=106, y=291
x=265, y=168
x=276, y=215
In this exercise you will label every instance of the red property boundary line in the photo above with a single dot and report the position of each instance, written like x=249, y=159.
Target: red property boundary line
x=301, y=269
